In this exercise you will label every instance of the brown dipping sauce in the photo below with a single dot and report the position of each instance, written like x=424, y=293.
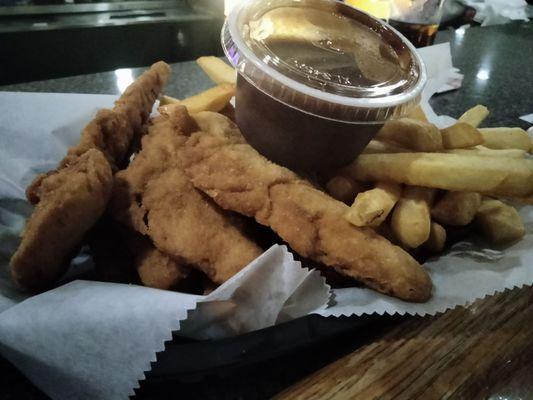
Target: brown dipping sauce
x=298, y=140
x=317, y=79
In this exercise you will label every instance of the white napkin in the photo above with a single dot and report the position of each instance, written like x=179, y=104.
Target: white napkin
x=497, y=12
x=440, y=71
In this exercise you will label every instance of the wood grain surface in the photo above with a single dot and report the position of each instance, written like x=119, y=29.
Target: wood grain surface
x=484, y=351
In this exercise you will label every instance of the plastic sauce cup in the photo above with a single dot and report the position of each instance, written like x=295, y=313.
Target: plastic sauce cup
x=317, y=79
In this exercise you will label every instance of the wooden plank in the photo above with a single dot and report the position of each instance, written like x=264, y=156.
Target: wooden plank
x=466, y=353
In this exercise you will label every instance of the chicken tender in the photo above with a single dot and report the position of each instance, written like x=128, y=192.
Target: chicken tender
x=156, y=269
x=221, y=164
x=72, y=200
x=115, y=131
x=123, y=255
x=155, y=197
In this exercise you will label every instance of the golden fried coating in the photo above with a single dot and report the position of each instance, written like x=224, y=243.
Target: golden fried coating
x=123, y=255
x=155, y=197
x=72, y=200
x=114, y=131
x=222, y=165
x=156, y=269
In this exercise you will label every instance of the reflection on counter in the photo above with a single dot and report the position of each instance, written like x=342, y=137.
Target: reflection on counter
x=483, y=74
x=124, y=78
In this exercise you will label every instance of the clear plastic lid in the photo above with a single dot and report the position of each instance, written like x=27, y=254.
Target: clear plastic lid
x=324, y=57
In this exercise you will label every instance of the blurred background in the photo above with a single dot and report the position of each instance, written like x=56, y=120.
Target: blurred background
x=44, y=39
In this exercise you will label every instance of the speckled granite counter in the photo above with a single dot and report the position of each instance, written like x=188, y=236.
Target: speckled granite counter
x=496, y=62
x=187, y=79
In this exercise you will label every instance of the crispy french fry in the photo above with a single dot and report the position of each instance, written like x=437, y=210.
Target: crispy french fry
x=412, y=134
x=475, y=115
x=506, y=138
x=217, y=70
x=372, y=207
x=214, y=99
x=378, y=146
x=437, y=238
x=499, y=222
x=411, y=220
x=456, y=172
x=343, y=189
x=418, y=114
x=460, y=135
x=456, y=208
x=485, y=151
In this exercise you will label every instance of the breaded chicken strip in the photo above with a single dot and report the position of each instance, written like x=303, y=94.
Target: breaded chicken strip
x=222, y=165
x=123, y=255
x=114, y=131
x=155, y=268
x=155, y=197
x=72, y=200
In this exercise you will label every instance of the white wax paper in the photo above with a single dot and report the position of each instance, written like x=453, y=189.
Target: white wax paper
x=497, y=12
x=440, y=71
x=90, y=340
x=527, y=118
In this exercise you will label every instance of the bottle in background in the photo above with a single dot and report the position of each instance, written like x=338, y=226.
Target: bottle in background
x=417, y=20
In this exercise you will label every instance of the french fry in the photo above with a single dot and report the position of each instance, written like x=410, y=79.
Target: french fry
x=437, y=238
x=412, y=134
x=214, y=99
x=456, y=208
x=343, y=189
x=475, y=115
x=372, y=207
x=217, y=70
x=460, y=135
x=506, y=138
x=489, y=175
x=411, y=220
x=378, y=146
x=485, y=151
x=418, y=114
x=499, y=222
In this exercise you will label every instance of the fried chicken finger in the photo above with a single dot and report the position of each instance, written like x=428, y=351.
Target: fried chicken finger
x=222, y=165
x=155, y=197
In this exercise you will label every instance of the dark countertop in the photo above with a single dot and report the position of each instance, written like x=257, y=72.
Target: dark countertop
x=186, y=79
x=496, y=63
x=501, y=53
